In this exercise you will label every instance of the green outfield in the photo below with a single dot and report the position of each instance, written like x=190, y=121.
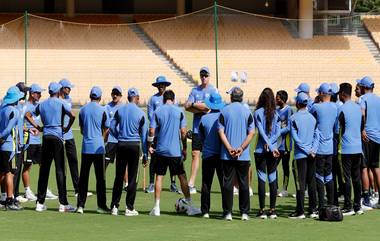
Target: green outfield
x=51, y=225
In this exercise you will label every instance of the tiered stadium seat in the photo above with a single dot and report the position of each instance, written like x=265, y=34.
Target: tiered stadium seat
x=372, y=23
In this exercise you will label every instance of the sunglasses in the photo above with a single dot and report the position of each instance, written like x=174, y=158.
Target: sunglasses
x=204, y=75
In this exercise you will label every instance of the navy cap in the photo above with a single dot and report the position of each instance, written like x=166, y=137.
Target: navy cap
x=302, y=98
x=205, y=69
x=66, y=83
x=35, y=88
x=324, y=88
x=161, y=80
x=132, y=92
x=303, y=87
x=214, y=101
x=96, y=92
x=117, y=89
x=366, y=82
x=54, y=87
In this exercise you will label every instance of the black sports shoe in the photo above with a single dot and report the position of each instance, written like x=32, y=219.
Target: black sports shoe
x=297, y=215
x=261, y=214
x=12, y=205
x=348, y=212
x=272, y=214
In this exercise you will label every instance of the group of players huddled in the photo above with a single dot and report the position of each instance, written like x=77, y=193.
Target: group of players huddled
x=334, y=140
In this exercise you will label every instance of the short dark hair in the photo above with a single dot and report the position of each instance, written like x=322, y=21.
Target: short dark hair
x=237, y=95
x=168, y=95
x=283, y=95
x=345, y=88
x=301, y=105
x=92, y=97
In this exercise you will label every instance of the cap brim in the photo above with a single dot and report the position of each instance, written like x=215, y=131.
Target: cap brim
x=213, y=106
x=297, y=90
x=165, y=83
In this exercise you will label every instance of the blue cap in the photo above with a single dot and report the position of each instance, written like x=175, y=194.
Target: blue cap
x=302, y=98
x=366, y=82
x=303, y=87
x=54, y=88
x=161, y=80
x=96, y=92
x=334, y=88
x=13, y=95
x=35, y=88
x=132, y=92
x=205, y=69
x=214, y=101
x=66, y=83
x=324, y=88
x=118, y=89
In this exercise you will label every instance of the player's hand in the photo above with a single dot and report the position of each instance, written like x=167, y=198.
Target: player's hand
x=266, y=147
x=184, y=154
x=276, y=153
x=34, y=131
x=232, y=152
x=364, y=136
x=145, y=161
x=65, y=129
x=40, y=128
x=238, y=152
x=151, y=150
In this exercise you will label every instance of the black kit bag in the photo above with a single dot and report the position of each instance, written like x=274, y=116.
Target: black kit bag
x=331, y=213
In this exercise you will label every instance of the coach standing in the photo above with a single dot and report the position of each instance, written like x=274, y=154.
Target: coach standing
x=133, y=127
x=52, y=112
x=236, y=129
x=93, y=122
x=195, y=104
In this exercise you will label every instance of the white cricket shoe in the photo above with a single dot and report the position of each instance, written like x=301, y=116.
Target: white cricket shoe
x=283, y=193
x=40, y=207
x=130, y=213
x=50, y=195
x=80, y=210
x=115, y=211
x=66, y=208
x=155, y=212
x=30, y=195
x=21, y=199
x=228, y=217
x=244, y=217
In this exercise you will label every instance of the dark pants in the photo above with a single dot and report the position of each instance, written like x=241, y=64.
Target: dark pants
x=72, y=159
x=266, y=166
x=87, y=160
x=17, y=174
x=52, y=148
x=152, y=163
x=285, y=158
x=128, y=154
x=324, y=179
x=304, y=174
x=338, y=179
x=235, y=170
x=351, y=173
x=209, y=166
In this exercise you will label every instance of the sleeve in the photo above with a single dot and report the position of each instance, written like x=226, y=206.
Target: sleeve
x=191, y=98
x=201, y=131
x=81, y=118
x=150, y=109
x=143, y=134
x=276, y=132
x=12, y=123
x=262, y=133
x=114, y=124
x=154, y=122
x=340, y=123
x=363, y=103
x=36, y=111
x=182, y=120
x=66, y=107
x=106, y=122
x=221, y=124
x=251, y=123
x=286, y=130
x=297, y=140
x=315, y=146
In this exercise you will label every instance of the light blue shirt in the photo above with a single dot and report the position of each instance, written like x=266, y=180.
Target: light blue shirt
x=111, y=110
x=154, y=102
x=237, y=122
x=270, y=138
x=92, y=120
x=8, y=128
x=31, y=107
x=208, y=133
x=167, y=121
x=370, y=103
x=68, y=135
x=284, y=115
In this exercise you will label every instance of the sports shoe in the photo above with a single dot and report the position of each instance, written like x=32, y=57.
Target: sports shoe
x=130, y=213
x=150, y=188
x=283, y=193
x=30, y=195
x=173, y=187
x=373, y=201
x=115, y=211
x=228, y=217
x=40, y=207
x=250, y=192
x=104, y=210
x=341, y=198
x=236, y=191
x=50, y=195
x=155, y=212
x=272, y=214
x=261, y=214
x=366, y=206
x=192, y=190
x=21, y=199
x=12, y=205
x=348, y=212
x=89, y=194
x=244, y=217
x=80, y=210
x=359, y=211
x=267, y=194
x=206, y=215
x=297, y=215
x=192, y=211
x=66, y=208
x=314, y=215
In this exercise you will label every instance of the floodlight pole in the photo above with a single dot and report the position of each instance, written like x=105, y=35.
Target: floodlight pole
x=26, y=45
x=216, y=41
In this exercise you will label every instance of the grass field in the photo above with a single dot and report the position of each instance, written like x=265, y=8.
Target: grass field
x=51, y=225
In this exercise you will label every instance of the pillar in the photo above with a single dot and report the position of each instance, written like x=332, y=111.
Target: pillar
x=305, y=12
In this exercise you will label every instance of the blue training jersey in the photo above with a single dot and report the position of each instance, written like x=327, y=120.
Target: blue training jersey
x=167, y=121
x=8, y=128
x=154, y=102
x=265, y=137
x=285, y=140
x=111, y=110
x=370, y=105
x=208, y=133
x=236, y=121
x=92, y=121
x=68, y=135
x=33, y=139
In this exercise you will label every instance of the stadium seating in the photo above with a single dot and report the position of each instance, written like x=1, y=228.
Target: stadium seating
x=264, y=49
x=372, y=23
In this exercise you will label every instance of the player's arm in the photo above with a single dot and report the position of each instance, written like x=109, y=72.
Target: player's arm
x=193, y=107
x=184, y=142
x=7, y=131
x=71, y=116
x=223, y=137
x=297, y=140
x=29, y=118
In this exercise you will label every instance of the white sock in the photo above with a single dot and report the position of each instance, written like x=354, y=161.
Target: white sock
x=27, y=189
x=157, y=203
